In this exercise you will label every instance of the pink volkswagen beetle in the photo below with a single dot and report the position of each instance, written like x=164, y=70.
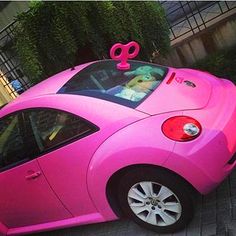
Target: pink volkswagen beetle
x=99, y=141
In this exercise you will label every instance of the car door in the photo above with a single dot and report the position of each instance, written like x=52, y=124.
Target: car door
x=25, y=196
x=67, y=143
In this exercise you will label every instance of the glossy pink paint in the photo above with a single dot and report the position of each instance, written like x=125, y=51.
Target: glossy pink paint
x=33, y=198
x=74, y=177
x=3, y=229
x=124, y=54
x=85, y=219
x=176, y=96
x=215, y=146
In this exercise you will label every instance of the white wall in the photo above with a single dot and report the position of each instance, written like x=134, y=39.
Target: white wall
x=8, y=13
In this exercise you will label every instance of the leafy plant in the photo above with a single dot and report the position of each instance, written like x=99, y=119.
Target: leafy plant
x=53, y=36
x=221, y=63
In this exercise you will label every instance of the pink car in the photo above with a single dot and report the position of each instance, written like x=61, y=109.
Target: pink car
x=94, y=143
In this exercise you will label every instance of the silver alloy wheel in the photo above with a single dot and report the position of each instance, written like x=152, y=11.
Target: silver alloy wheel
x=154, y=203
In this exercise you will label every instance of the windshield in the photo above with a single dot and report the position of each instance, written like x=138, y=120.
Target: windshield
x=103, y=80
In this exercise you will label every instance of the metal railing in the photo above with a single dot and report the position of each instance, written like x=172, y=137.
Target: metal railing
x=11, y=74
x=187, y=18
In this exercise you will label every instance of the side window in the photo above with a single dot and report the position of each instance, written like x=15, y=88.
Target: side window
x=52, y=128
x=12, y=148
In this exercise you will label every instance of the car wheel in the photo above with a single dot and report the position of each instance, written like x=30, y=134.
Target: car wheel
x=156, y=199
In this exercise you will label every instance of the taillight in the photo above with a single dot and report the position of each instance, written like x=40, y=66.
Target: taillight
x=181, y=128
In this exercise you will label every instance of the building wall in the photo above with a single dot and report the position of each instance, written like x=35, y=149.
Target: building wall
x=218, y=36
x=4, y=97
x=7, y=92
x=8, y=12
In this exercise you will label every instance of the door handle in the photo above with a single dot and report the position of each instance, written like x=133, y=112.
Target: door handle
x=33, y=175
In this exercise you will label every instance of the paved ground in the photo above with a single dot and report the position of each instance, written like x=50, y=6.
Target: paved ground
x=215, y=215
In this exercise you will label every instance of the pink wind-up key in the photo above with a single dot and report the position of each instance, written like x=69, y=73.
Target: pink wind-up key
x=124, y=54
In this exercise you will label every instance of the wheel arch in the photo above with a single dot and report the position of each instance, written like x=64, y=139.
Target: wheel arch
x=119, y=152
x=113, y=182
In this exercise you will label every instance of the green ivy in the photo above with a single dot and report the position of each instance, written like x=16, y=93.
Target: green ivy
x=53, y=36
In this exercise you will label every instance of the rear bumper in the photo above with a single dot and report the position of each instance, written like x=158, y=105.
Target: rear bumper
x=206, y=161
x=201, y=173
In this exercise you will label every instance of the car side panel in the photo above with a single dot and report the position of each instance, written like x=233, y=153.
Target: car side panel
x=26, y=201
x=3, y=229
x=208, y=155
x=65, y=168
x=140, y=143
x=100, y=112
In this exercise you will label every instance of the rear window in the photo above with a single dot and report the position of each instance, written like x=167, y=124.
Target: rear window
x=103, y=80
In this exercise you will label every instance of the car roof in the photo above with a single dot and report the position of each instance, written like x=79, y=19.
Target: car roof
x=86, y=107
x=52, y=84
x=48, y=86
x=44, y=94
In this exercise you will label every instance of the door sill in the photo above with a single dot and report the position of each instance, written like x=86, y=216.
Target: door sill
x=74, y=221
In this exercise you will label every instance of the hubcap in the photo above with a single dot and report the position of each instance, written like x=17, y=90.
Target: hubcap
x=154, y=203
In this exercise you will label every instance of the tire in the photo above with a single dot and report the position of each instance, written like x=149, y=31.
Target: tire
x=155, y=199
